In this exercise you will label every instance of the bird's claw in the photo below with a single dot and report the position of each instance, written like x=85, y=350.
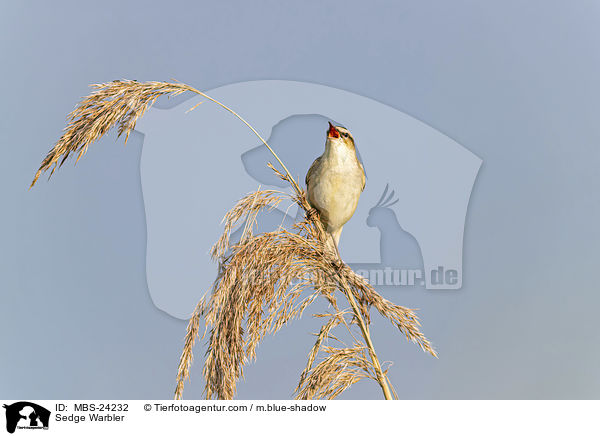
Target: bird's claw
x=338, y=264
x=312, y=213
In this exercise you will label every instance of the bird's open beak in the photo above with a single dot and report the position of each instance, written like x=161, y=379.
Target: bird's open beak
x=333, y=132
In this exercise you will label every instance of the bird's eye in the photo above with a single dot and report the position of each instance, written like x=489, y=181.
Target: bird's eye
x=345, y=135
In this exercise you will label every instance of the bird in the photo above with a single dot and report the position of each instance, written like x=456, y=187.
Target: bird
x=335, y=181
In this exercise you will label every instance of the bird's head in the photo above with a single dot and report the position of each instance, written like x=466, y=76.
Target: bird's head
x=340, y=136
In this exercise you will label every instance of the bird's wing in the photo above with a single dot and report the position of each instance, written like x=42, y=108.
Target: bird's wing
x=312, y=168
x=364, y=178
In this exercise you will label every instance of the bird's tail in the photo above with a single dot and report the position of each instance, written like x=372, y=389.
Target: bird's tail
x=334, y=240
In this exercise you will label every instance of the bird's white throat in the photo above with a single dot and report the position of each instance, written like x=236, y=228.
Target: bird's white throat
x=338, y=153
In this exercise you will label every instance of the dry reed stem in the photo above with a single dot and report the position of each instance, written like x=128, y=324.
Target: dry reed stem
x=338, y=371
x=187, y=356
x=261, y=278
x=258, y=290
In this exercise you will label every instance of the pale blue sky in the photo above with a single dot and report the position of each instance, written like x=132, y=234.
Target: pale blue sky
x=516, y=83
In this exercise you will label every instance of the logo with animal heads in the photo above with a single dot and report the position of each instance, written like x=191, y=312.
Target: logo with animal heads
x=26, y=415
x=410, y=217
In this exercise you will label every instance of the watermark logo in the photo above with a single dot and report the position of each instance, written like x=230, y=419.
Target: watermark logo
x=408, y=227
x=26, y=415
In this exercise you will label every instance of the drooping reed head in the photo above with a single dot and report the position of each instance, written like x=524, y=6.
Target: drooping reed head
x=118, y=103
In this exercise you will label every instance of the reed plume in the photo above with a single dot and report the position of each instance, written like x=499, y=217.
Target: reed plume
x=264, y=280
